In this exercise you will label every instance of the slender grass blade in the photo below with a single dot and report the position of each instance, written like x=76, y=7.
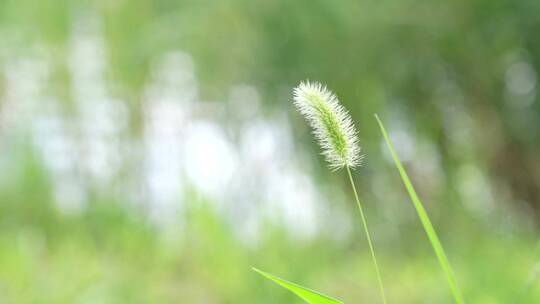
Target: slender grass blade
x=426, y=222
x=308, y=295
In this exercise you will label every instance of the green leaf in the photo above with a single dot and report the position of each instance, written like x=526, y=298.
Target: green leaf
x=306, y=294
x=426, y=222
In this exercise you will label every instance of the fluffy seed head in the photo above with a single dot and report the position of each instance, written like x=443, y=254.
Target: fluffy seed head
x=331, y=123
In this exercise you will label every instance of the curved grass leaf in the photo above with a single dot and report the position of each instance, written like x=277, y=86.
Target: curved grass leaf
x=426, y=222
x=308, y=295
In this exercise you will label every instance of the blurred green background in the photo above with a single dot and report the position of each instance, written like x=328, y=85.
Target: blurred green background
x=150, y=152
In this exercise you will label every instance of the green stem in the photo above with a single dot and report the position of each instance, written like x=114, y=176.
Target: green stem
x=381, y=287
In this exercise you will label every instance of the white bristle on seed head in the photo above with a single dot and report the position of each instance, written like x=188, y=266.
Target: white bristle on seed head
x=331, y=123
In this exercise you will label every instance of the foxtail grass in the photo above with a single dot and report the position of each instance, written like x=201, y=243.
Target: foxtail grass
x=335, y=132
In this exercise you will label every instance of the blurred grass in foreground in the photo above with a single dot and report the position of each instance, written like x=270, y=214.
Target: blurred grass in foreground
x=119, y=260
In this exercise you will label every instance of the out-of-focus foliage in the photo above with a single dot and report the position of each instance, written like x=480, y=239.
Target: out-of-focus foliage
x=455, y=81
